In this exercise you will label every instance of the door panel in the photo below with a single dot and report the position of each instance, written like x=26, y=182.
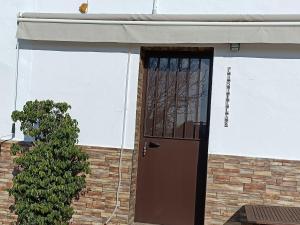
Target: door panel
x=170, y=175
x=174, y=126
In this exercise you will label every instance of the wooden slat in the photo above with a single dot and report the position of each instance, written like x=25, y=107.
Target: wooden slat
x=273, y=215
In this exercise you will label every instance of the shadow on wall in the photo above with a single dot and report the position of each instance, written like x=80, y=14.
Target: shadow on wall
x=272, y=51
x=275, y=51
x=239, y=218
x=76, y=46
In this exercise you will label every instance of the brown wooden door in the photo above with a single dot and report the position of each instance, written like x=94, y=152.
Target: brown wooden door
x=174, y=137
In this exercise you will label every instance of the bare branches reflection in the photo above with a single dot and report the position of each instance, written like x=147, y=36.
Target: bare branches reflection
x=177, y=97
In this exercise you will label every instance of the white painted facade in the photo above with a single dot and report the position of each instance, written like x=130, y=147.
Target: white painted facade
x=264, y=110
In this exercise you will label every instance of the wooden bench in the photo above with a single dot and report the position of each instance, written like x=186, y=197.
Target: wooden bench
x=271, y=215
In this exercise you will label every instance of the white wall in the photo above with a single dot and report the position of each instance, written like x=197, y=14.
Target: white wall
x=229, y=6
x=264, y=102
x=172, y=6
x=8, y=26
x=91, y=78
x=264, y=114
x=263, y=108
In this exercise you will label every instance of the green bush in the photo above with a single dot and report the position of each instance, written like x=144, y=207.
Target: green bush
x=52, y=171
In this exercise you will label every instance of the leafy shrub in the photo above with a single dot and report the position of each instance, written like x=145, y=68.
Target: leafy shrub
x=52, y=171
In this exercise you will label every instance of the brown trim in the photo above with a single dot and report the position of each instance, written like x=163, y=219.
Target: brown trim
x=173, y=51
x=189, y=51
x=138, y=129
x=202, y=168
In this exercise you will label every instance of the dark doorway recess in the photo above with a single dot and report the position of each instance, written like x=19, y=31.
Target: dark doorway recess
x=172, y=165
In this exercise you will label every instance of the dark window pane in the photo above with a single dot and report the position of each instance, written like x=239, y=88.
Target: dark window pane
x=203, y=101
x=150, y=99
x=170, y=103
x=181, y=95
x=161, y=97
x=193, y=97
x=204, y=85
x=177, y=97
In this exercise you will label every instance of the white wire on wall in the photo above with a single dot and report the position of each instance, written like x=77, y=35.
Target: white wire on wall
x=5, y=136
x=126, y=93
x=17, y=75
x=11, y=135
x=154, y=8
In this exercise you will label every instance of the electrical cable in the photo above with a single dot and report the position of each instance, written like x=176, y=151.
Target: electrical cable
x=17, y=76
x=13, y=132
x=123, y=139
x=5, y=136
x=13, y=128
x=154, y=7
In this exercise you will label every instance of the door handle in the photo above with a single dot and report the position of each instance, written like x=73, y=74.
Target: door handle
x=149, y=145
x=153, y=145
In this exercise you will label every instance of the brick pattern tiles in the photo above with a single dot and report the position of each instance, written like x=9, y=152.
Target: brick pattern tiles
x=97, y=201
x=6, y=175
x=235, y=181
x=232, y=182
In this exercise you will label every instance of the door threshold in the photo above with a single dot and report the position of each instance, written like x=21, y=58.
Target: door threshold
x=136, y=223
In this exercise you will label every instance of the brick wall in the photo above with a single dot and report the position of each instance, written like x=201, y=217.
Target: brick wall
x=6, y=175
x=97, y=201
x=232, y=182
x=235, y=181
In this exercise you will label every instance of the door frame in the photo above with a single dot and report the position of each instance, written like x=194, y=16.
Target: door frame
x=202, y=167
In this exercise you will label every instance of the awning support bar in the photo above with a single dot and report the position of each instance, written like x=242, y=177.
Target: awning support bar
x=158, y=23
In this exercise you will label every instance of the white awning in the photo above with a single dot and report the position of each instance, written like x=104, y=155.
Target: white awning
x=159, y=29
